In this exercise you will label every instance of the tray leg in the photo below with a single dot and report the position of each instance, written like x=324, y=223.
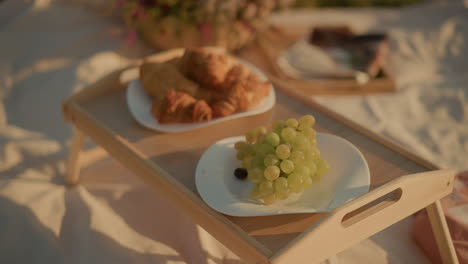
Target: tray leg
x=441, y=233
x=72, y=175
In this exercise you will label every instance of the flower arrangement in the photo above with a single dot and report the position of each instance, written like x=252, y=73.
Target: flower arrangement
x=167, y=24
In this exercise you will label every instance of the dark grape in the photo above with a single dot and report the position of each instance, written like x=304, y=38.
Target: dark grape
x=240, y=173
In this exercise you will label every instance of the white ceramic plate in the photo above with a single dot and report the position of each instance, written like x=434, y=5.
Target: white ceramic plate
x=140, y=103
x=348, y=178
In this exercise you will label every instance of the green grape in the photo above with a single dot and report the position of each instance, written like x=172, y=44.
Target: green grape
x=312, y=153
x=309, y=132
x=297, y=156
x=283, y=151
x=301, y=142
x=316, y=152
x=322, y=167
x=304, y=177
x=281, y=185
x=248, y=148
x=302, y=170
x=247, y=162
x=261, y=130
x=307, y=121
x=265, y=149
x=288, y=134
x=240, y=145
x=311, y=135
x=273, y=139
x=278, y=125
x=312, y=168
x=270, y=160
x=291, y=122
x=255, y=193
x=258, y=161
x=306, y=182
x=240, y=155
x=251, y=136
x=255, y=175
x=295, y=182
x=287, y=166
x=266, y=187
x=313, y=142
x=260, y=138
x=254, y=135
x=269, y=199
x=271, y=173
x=254, y=147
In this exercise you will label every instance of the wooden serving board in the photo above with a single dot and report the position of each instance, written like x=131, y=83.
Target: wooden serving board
x=274, y=40
x=167, y=163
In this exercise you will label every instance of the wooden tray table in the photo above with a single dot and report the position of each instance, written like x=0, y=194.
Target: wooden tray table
x=401, y=183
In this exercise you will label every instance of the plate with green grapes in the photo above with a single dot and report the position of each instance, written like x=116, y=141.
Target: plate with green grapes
x=285, y=170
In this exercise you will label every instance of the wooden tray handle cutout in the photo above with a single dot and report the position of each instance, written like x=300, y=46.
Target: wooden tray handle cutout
x=371, y=208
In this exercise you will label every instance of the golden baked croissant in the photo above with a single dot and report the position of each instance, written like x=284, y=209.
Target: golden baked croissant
x=205, y=67
x=180, y=107
x=156, y=78
x=240, y=91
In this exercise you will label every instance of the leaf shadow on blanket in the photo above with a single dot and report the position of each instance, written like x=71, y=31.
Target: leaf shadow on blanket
x=149, y=214
x=24, y=238
x=111, y=217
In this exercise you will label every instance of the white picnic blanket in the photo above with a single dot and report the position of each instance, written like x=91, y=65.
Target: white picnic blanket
x=429, y=49
x=51, y=49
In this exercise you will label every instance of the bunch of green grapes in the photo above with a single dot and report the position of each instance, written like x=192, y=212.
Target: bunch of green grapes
x=283, y=161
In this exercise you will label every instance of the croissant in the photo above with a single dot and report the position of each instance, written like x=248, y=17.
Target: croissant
x=207, y=68
x=180, y=107
x=156, y=78
x=241, y=90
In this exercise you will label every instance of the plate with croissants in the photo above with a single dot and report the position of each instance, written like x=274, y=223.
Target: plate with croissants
x=198, y=88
